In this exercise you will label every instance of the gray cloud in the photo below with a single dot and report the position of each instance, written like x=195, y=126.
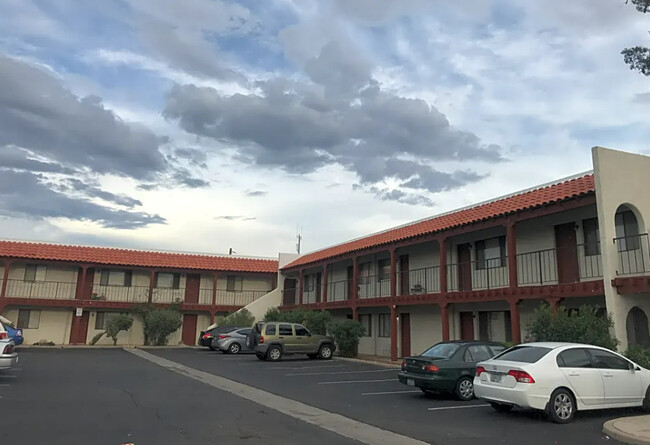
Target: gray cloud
x=193, y=155
x=184, y=177
x=255, y=193
x=21, y=159
x=235, y=218
x=400, y=196
x=73, y=184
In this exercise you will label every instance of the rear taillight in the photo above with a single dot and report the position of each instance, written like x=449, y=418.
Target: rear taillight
x=521, y=376
x=431, y=368
x=3, y=335
x=20, y=333
x=222, y=336
x=9, y=349
x=479, y=370
x=403, y=365
x=207, y=336
x=261, y=339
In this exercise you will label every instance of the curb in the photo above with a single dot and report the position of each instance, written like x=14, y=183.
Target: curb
x=370, y=362
x=613, y=429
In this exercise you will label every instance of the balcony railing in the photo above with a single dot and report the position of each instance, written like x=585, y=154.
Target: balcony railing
x=419, y=281
x=55, y=290
x=205, y=296
x=477, y=275
x=633, y=254
x=563, y=265
x=128, y=294
x=239, y=298
x=374, y=286
x=338, y=290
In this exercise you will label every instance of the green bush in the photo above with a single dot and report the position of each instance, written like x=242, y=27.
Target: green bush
x=347, y=334
x=639, y=355
x=581, y=326
x=159, y=324
x=96, y=338
x=241, y=318
x=273, y=314
x=315, y=321
x=117, y=323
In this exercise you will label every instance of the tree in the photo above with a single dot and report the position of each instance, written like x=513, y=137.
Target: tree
x=158, y=323
x=347, y=334
x=117, y=323
x=241, y=318
x=638, y=57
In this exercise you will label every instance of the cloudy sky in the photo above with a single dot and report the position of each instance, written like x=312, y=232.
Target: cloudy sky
x=204, y=125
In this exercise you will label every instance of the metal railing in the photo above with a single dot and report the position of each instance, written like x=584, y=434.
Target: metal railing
x=55, y=290
x=632, y=254
x=425, y=280
x=239, y=298
x=490, y=273
x=338, y=290
x=205, y=296
x=130, y=294
x=541, y=267
x=374, y=286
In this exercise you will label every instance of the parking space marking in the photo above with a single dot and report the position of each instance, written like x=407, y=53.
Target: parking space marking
x=440, y=408
x=340, y=372
x=343, y=382
x=310, y=367
x=387, y=392
x=5, y=384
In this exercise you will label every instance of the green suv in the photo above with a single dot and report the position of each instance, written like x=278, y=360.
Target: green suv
x=272, y=340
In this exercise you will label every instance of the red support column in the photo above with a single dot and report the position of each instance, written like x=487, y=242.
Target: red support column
x=82, y=283
x=325, y=278
x=554, y=303
x=214, y=293
x=5, y=277
x=355, y=313
x=444, y=318
x=511, y=247
x=515, y=325
x=393, y=272
x=211, y=317
x=355, y=279
x=300, y=286
x=442, y=243
x=152, y=281
x=393, y=333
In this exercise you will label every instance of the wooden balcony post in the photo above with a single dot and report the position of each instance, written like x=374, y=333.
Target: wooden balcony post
x=554, y=303
x=325, y=278
x=393, y=333
x=444, y=319
x=355, y=279
x=301, y=281
x=442, y=243
x=355, y=313
x=214, y=293
x=5, y=277
x=393, y=272
x=511, y=247
x=81, y=287
x=515, y=325
x=152, y=282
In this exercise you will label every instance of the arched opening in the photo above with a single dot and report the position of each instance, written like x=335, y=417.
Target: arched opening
x=631, y=240
x=638, y=332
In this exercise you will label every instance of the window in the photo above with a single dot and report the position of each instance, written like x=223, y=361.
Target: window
x=592, y=236
x=309, y=283
x=574, y=358
x=442, y=350
x=301, y=331
x=29, y=318
x=100, y=321
x=234, y=283
x=364, y=273
x=384, y=325
x=285, y=329
x=168, y=280
x=34, y=272
x=491, y=253
x=366, y=322
x=524, y=354
x=477, y=353
x=384, y=269
x=270, y=329
x=246, y=331
x=607, y=360
x=627, y=231
x=110, y=277
x=497, y=349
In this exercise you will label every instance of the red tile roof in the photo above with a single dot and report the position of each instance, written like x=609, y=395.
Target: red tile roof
x=515, y=203
x=136, y=258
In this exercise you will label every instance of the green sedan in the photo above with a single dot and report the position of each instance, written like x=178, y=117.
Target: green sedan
x=448, y=367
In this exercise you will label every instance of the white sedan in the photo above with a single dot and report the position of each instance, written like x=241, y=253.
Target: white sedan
x=561, y=378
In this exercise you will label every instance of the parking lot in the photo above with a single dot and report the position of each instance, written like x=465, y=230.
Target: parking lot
x=109, y=396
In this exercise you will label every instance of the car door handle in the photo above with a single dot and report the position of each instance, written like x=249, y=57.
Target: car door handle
x=608, y=375
x=281, y=337
x=574, y=374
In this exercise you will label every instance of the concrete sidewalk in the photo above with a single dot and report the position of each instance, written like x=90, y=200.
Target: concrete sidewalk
x=634, y=430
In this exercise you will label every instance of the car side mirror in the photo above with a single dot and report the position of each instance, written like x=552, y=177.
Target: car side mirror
x=308, y=334
x=631, y=366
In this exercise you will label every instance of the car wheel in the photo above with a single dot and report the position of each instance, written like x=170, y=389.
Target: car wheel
x=465, y=389
x=500, y=407
x=646, y=401
x=312, y=356
x=234, y=348
x=325, y=352
x=274, y=353
x=562, y=406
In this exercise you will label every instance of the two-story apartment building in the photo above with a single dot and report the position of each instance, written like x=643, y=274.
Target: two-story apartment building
x=64, y=293
x=480, y=272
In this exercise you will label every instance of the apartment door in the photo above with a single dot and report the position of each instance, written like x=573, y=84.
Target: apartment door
x=567, y=253
x=192, y=285
x=405, y=321
x=464, y=267
x=466, y=326
x=189, y=329
x=289, y=293
x=404, y=275
x=351, y=292
x=79, y=328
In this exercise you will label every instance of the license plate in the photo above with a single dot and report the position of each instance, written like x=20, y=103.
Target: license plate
x=496, y=378
x=410, y=382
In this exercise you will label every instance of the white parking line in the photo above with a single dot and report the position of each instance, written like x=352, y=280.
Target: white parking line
x=456, y=407
x=341, y=372
x=387, y=392
x=5, y=384
x=310, y=367
x=343, y=382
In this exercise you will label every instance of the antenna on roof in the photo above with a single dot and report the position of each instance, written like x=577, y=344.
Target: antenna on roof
x=230, y=251
x=298, y=239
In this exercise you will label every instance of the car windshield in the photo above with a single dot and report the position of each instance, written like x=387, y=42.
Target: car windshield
x=442, y=350
x=525, y=354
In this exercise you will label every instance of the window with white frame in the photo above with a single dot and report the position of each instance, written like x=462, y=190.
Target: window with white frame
x=35, y=272
x=366, y=322
x=114, y=277
x=627, y=231
x=491, y=253
x=168, y=280
x=384, y=325
x=234, y=283
x=384, y=269
x=29, y=318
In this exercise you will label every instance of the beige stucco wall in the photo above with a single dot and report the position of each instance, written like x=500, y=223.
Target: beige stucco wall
x=621, y=178
x=54, y=281
x=54, y=325
x=259, y=307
